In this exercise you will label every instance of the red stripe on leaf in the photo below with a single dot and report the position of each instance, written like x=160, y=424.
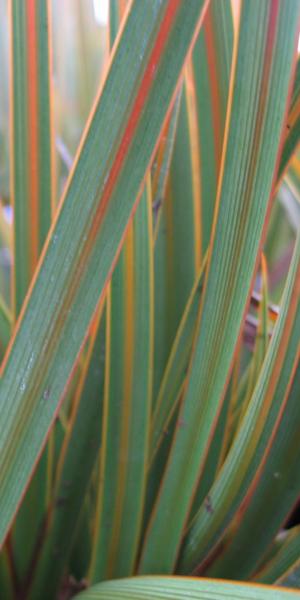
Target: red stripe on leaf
x=33, y=163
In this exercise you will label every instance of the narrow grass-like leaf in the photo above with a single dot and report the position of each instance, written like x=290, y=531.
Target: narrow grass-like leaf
x=283, y=561
x=293, y=126
x=266, y=51
x=176, y=367
x=193, y=177
x=127, y=404
x=210, y=73
x=182, y=235
x=184, y=226
x=183, y=230
x=166, y=408
x=129, y=378
x=161, y=165
x=251, y=462
x=4, y=103
x=212, y=462
x=180, y=588
x=77, y=459
x=31, y=140
x=289, y=197
x=85, y=238
x=178, y=228
x=30, y=517
x=80, y=557
x=270, y=498
x=5, y=326
x=292, y=577
x=251, y=373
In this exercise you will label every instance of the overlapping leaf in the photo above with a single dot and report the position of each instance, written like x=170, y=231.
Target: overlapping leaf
x=252, y=458
x=85, y=238
x=31, y=142
x=255, y=120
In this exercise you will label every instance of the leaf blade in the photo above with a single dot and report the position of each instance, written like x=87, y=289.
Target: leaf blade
x=31, y=144
x=177, y=588
x=126, y=405
x=74, y=275
x=244, y=195
x=245, y=462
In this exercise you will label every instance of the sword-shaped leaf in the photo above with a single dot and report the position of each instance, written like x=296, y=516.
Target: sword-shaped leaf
x=86, y=236
x=265, y=51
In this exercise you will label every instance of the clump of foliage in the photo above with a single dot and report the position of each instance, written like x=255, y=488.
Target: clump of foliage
x=149, y=300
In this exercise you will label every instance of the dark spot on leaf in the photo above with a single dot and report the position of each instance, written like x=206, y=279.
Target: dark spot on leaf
x=156, y=206
x=46, y=394
x=208, y=505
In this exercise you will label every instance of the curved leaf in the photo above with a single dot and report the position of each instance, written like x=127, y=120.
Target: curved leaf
x=180, y=588
x=266, y=52
x=243, y=471
x=85, y=239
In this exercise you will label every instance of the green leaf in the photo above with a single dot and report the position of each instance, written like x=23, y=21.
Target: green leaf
x=255, y=120
x=161, y=165
x=180, y=588
x=166, y=408
x=271, y=497
x=293, y=125
x=31, y=148
x=5, y=326
x=121, y=486
x=210, y=74
x=213, y=459
x=291, y=577
x=251, y=373
x=176, y=367
x=4, y=103
x=76, y=462
x=127, y=404
x=85, y=239
x=283, y=562
x=185, y=219
x=178, y=228
x=247, y=483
